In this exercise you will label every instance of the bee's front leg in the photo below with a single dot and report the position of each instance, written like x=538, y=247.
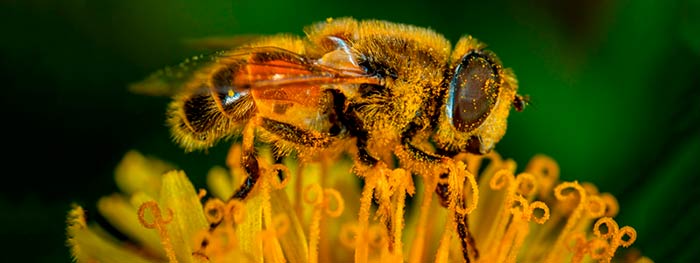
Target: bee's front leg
x=428, y=163
x=465, y=236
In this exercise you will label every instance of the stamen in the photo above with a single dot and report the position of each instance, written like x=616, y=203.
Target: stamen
x=595, y=206
x=159, y=223
x=419, y=241
x=611, y=205
x=235, y=211
x=214, y=210
x=271, y=245
x=377, y=237
x=320, y=199
x=286, y=175
x=361, y=247
x=539, y=217
x=348, y=234
x=470, y=206
x=332, y=194
x=526, y=183
x=625, y=236
x=202, y=193
x=605, y=228
x=567, y=191
x=313, y=196
x=547, y=172
x=501, y=179
x=404, y=184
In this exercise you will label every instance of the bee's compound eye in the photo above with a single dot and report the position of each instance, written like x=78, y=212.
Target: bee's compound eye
x=473, y=91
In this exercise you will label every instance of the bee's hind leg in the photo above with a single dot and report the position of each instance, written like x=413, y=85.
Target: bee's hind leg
x=249, y=160
x=286, y=132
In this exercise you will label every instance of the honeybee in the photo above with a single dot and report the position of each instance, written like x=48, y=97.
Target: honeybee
x=380, y=88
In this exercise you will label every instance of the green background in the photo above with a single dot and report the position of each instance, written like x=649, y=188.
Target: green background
x=614, y=87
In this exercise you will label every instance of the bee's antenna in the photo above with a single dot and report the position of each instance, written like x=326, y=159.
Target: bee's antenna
x=520, y=102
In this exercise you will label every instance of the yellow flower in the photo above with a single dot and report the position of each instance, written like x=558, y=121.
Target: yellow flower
x=318, y=212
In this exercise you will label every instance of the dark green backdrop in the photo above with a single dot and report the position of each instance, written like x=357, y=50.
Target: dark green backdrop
x=614, y=88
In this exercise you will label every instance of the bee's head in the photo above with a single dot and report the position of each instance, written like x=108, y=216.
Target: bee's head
x=479, y=95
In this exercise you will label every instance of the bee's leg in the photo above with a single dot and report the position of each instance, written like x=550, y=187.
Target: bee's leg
x=466, y=238
x=295, y=134
x=278, y=160
x=249, y=159
x=347, y=116
x=363, y=153
x=418, y=159
x=285, y=131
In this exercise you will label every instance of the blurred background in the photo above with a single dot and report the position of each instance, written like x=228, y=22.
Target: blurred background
x=615, y=89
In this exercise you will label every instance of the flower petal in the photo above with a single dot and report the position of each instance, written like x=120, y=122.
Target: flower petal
x=87, y=246
x=178, y=195
x=140, y=173
x=219, y=182
x=293, y=241
x=122, y=215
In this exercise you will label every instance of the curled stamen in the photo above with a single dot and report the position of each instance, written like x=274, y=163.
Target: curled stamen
x=159, y=223
x=517, y=205
x=501, y=179
x=456, y=191
x=566, y=190
x=539, y=217
x=544, y=166
x=320, y=199
x=235, y=211
x=313, y=194
x=595, y=206
x=214, y=210
x=605, y=228
x=611, y=205
x=377, y=236
x=475, y=194
x=547, y=172
x=348, y=232
x=158, y=220
x=590, y=188
x=626, y=236
x=332, y=194
x=286, y=175
x=526, y=183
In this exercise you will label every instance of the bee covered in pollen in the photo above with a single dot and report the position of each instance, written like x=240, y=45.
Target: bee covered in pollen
x=373, y=88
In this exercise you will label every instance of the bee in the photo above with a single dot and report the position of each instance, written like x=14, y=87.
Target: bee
x=380, y=88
